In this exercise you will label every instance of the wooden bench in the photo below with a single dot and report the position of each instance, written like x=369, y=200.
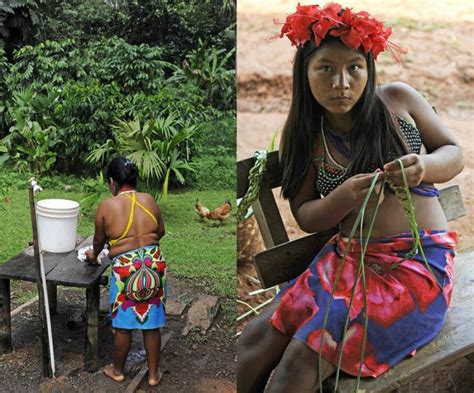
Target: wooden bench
x=283, y=260
x=60, y=269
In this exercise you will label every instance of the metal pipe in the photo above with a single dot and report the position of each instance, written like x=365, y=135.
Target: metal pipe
x=36, y=187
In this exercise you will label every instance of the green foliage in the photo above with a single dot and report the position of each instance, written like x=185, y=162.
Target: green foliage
x=32, y=136
x=159, y=147
x=84, y=117
x=219, y=132
x=173, y=25
x=135, y=68
x=215, y=161
x=97, y=78
x=132, y=68
x=4, y=66
x=208, y=69
x=18, y=20
x=82, y=20
x=183, y=99
x=105, y=80
x=43, y=66
x=94, y=191
x=214, y=172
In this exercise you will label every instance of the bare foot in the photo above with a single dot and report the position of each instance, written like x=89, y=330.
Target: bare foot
x=153, y=381
x=111, y=373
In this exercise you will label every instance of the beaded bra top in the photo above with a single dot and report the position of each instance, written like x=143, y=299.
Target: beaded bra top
x=331, y=174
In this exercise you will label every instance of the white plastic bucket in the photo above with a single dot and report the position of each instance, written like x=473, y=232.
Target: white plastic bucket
x=57, y=224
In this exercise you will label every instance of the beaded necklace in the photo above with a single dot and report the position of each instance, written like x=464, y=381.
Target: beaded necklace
x=126, y=192
x=327, y=153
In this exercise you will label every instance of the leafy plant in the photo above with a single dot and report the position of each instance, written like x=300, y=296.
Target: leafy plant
x=209, y=69
x=84, y=117
x=132, y=68
x=173, y=26
x=4, y=66
x=32, y=136
x=18, y=19
x=94, y=191
x=216, y=171
x=159, y=147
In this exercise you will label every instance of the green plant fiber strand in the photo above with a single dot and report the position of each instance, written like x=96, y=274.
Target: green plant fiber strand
x=255, y=176
x=338, y=275
x=407, y=204
x=360, y=273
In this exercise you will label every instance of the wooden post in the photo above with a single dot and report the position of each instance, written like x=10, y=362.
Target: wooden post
x=5, y=319
x=47, y=372
x=269, y=219
x=53, y=298
x=91, y=357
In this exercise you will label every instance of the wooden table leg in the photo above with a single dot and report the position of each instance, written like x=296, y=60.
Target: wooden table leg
x=53, y=298
x=92, y=359
x=5, y=319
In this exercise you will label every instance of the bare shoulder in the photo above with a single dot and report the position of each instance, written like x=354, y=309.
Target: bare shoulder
x=104, y=207
x=397, y=90
x=106, y=203
x=402, y=98
x=148, y=199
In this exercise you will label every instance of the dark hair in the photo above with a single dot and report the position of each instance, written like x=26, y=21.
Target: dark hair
x=374, y=135
x=122, y=171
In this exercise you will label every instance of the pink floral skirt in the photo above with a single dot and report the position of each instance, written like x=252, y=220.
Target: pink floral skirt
x=406, y=306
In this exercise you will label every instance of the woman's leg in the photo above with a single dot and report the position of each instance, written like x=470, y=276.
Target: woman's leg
x=122, y=342
x=152, y=341
x=298, y=370
x=259, y=350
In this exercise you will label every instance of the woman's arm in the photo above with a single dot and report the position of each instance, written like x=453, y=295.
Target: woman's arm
x=444, y=159
x=315, y=214
x=99, y=235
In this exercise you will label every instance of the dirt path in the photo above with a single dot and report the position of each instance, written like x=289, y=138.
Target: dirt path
x=438, y=64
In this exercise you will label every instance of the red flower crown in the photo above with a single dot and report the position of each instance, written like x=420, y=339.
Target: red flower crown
x=353, y=28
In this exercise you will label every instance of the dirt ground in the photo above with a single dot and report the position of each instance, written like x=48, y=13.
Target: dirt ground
x=439, y=64
x=196, y=363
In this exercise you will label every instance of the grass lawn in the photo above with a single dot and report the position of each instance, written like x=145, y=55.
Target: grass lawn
x=204, y=251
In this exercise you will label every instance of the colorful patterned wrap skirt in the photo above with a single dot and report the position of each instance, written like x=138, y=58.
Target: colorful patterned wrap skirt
x=406, y=306
x=138, y=289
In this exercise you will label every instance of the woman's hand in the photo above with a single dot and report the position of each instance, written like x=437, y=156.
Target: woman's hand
x=414, y=170
x=355, y=189
x=91, y=258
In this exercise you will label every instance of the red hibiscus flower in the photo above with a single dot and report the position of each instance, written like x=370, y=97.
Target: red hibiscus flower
x=353, y=28
x=296, y=27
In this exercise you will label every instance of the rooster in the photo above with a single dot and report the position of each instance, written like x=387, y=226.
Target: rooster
x=219, y=213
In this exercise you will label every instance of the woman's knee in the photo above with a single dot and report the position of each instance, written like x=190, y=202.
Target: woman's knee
x=123, y=331
x=299, y=359
x=258, y=328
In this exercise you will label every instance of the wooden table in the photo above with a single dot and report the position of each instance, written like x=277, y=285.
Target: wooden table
x=60, y=269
